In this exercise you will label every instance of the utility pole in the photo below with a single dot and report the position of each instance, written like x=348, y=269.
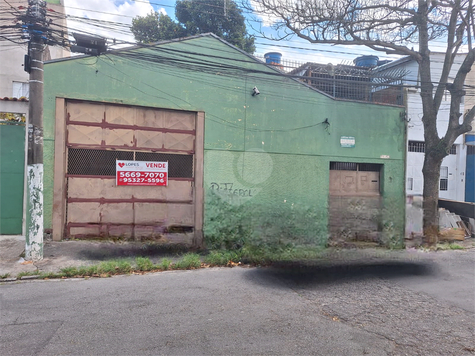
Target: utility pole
x=34, y=23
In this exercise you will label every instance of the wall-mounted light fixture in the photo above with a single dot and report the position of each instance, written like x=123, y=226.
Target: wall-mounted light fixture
x=327, y=125
x=255, y=91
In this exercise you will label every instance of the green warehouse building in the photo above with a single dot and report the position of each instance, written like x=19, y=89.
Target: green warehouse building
x=252, y=153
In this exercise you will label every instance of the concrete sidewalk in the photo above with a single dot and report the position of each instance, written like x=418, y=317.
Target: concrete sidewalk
x=61, y=254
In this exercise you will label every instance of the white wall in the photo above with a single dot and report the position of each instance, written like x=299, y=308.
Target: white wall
x=12, y=54
x=11, y=69
x=455, y=163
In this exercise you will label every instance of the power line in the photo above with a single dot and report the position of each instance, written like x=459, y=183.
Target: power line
x=108, y=25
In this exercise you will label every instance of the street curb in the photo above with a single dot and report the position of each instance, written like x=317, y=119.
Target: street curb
x=30, y=277
x=8, y=280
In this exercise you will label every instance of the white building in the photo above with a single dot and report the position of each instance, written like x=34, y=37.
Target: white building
x=13, y=78
x=457, y=171
x=452, y=172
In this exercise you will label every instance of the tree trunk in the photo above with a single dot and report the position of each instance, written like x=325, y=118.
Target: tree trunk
x=431, y=172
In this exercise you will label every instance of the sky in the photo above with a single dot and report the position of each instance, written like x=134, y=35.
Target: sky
x=123, y=11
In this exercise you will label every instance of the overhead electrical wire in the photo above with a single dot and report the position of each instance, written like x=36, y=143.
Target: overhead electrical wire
x=191, y=65
x=105, y=27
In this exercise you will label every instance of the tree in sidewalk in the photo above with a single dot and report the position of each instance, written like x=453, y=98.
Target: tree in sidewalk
x=397, y=27
x=221, y=17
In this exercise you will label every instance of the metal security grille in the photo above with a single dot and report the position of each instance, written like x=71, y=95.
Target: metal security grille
x=416, y=146
x=343, y=166
x=471, y=150
x=420, y=147
x=360, y=167
x=179, y=166
x=352, y=82
x=444, y=178
x=91, y=162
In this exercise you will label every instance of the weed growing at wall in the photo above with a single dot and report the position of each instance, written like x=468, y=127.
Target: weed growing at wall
x=392, y=225
x=233, y=226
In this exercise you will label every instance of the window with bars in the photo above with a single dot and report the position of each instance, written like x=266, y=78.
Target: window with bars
x=416, y=146
x=361, y=167
x=444, y=178
x=91, y=162
x=420, y=147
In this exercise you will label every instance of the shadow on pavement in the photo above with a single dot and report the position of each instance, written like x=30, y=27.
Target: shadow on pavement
x=315, y=274
x=112, y=251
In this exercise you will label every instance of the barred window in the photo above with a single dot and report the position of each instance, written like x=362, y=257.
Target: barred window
x=420, y=147
x=444, y=178
x=416, y=146
x=82, y=161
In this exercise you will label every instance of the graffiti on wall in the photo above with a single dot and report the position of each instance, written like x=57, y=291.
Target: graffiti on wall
x=230, y=188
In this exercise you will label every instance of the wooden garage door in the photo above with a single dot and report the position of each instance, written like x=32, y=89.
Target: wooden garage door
x=354, y=202
x=98, y=135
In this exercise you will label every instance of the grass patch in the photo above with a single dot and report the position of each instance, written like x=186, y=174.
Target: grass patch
x=51, y=275
x=165, y=264
x=222, y=258
x=248, y=254
x=449, y=246
x=188, y=261
x=114, y=267
x=266, y=255
x=3, y=276
x=69, y=272
x=144, y=264
x=107, y=268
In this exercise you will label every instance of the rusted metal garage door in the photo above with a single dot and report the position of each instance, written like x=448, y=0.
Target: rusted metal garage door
x=355, y=202
x=99, y=134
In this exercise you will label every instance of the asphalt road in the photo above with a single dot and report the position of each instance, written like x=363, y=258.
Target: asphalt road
x=404, y=306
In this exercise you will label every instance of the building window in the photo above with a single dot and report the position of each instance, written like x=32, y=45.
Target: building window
x=444, y=178
x=21, y=89
x=416, y=146
x=420, y=147
x=410, y=184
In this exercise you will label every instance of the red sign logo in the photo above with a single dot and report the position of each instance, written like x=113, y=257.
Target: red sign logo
x=121, y=164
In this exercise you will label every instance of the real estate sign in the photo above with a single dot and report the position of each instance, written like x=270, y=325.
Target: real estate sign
x=347, y=141
x=141, y=173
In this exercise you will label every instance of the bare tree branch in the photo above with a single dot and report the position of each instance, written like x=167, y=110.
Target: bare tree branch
x=396, y=27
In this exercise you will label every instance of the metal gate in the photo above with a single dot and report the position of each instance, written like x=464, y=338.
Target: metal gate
x=12, y=172
x=354, y=202
x=99, y=134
